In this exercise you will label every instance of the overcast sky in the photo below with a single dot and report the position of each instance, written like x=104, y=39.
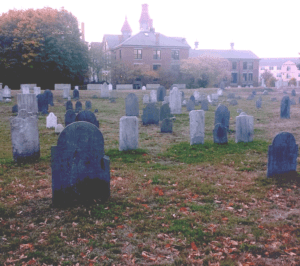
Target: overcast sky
x=266, y=27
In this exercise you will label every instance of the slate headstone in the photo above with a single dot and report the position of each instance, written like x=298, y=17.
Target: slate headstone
x=69, y=105
x=69, y=117
x=293, y=102
x=190, y=106
x=164, y=112
x=244, y=128
x=254, y=92
x=150, y=114
x=285, y=107
x=250, y=97
x=192, y=98
x=132, y=105
x=222, y=116
x=96, y=111
x=88, y=105
x=87, y=116
x=175, y=101
x=80, y=170
x=44, y=100
x=204, y=105
x=129, y=133
x=293, y=92
x=282, y=154
x=51, y=121
x=220, y=134
x=15, y=109
x=258, y=104
x=161, y=93
x=78, y=107
x=76, y=94
x=166, y=126
x=197, y=126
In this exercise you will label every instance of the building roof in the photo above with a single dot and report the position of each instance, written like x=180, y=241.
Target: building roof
x=126, y=26
x=148, y=38
x=278, y=61
x=228, y=54
x=112, y=40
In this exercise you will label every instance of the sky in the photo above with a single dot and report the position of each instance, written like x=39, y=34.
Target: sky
x=266, y=27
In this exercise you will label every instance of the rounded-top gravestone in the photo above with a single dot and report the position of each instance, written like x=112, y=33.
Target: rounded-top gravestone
x=78, y=107
x=88, y=105
x=87, y=116
x=222, y=116
x=150, y=114
x=285, y=107
x=75, y=94
x=69, y=105
x=161, y=93
x=132, y=105
x=69, y=117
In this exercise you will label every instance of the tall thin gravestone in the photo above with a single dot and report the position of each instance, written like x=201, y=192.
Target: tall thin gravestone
x=197, y=126
x=175, y=101
x=69, y=117
x=161, y=93
x=153, y=96
x=222, y=116
x=129, y=133
x=285, y=107
x=132, y=105
x=244, y=128
x=104, y=91
x=78, y=107
x=69, y=105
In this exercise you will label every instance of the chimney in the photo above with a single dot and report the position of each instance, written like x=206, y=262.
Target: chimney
x=82, y=31
x=157, y=38
x=232, y=45
x=196, y=44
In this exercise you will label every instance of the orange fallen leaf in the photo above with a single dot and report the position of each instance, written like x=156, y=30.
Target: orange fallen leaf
x=194, y=247
x=160, y=192
x=120, y=226
x=116, y=218
x=130, y=235
x=145, y=205
x=168, y=245
x=225, y=219
x=183, y=209
x=260, y=227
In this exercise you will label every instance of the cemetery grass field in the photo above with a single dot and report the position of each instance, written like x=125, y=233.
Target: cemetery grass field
x=171, y=203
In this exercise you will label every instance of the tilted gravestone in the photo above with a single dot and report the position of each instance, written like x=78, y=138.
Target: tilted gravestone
x=285, y=107
x=197, y=126
x=104, y=91
x=282, y=154
x=222, y=116
x=51, y=120
x=80, y=170
x=59, y=128
x=204, y=105
x=153, y=96
x=69, y=105
x=27, y=102
x=258, y=104
x=132, y=105
x=76, y=94
x=88, y=105
x=166, y=126
x=150, y=114
x=293, y=92
x=220, y=134
x=78, y=107
x=87, y=116
x=190, y=106
x=161, y=93
x=175, y=101
x=69, y=117
x=25, y=137
x=129, y=133
x=146, y=99
x=244, y=129
x=164, y=112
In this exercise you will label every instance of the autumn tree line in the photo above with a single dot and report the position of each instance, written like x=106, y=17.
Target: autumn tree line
x=44, y=46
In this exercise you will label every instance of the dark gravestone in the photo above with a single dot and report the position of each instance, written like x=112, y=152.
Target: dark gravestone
x=69, y=117
x=192, y=98
x=230, y=96
x=293, y=92
x=222, y=85
x=254, y=92
x=250, y=97
x=69, y=105
x=190, y=106
x=164, y=112
x=166, y=126
x=285, y=92
x=96, y=111
x=273, y=99
x=150, y=114
x=132, y=105
x=258, y=104
x=182, y=95
x=78, y=107
x=44, y=100
x=222, y=116
x=220, y=134
x=80, y=170
x=87, y=116
x=15, y=109
x=88, y=105
x=161, y=93
x=233, y=102
x=49, y=97
x=285, y=107
x=260, y=98
x=75, y=94
x=204, y=105
x=282, y=154
x=293, y=102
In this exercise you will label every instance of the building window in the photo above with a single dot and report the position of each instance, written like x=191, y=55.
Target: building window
x=250, y=77
x=234, y=77
x=234, y=65
x=271, y=68
x=262, y=68
x=244, y=76
x=250, y=65
x=244, y=65
x=175, y=54
x=137, y=53
x=120, y=53
x=156, y=54
x=156, y=67
x=288, y=68
x=279, y=68
x=278, y=75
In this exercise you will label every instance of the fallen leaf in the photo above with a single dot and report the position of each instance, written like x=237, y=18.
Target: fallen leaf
x=130, y=235
x=194, y=247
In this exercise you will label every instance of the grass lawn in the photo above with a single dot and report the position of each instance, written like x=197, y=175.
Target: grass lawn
x=171, y=203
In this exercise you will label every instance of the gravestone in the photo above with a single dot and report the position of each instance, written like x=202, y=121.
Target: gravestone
x=197, y=96
x=104, y=91
x=78, y=107
x=59, y=128
x=183, y=103
x=6, y=92
x=76, y=88
x=175, y=101
x=293, y=92
x=76, y=94
x=166, y=126
x=265, y=92
x=87, y=116
x=1, y=95
x=233, y=102
x=66, y=92
x=7, y=100
x=144, y=88
x=69, y=117
x=250, y=97
x=285, y=107
x=96, y=111
x=222, y=116
x=209, y=99
x=132, y=105
x=129, y=133
x=197, y=127
x=150, y=114
x=293, y=102
x=164, y=112
x=220, y=92
x=15, y=109
x=80, y=170
x=222, y=85
x=37, y=90
x=204, y=105
x=274, y=99
x=167, y=99
x=190, y=106
x=27, y=102
x=192, y=98
x=153, y=96
x=88, y=105
x=244, y=128
x=25, y=137
x=146, y=99
x=258, y=104
x=69, y=105
x=51, y=121
x=44, y=100
x=230, y=96
x=214, y=97
x=220, y=134
x=182, y=95
x=282, y=154
x=161, y=93
x=25, y=89
x=110, y=87
x=254, y=92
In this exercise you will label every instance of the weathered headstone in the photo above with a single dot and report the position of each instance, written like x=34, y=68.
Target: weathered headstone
x=69, y=105
x=44, y=100
x=76, y=94
x=204, y=105
x=197, y=126
x=78, y=107
x=129, y=133
x=69, y=117
x=153, y=96
x=87, y=116
x=183, y=103
x=258, y=104
x=59, y=128
x=244, y=128
x=220, y=92
x=37, y=90
x=132, y=105
x=250, y=97
x=51, y=121
x=25, y=88
x=104, y=91
x=144, y=88
x=282, y=154
x=166, y=126
x=146, y=99
x=80, y=170
x=62, y=86
x=220, y=134
x=15, y=109
x=150, y=114
x=190, y=106
x=285, y=107
x=6, y=92
x=209, y=99
x=197, y=96
x=161, y=93
x=192, y=98
x=230, y=96
x=110, y=87
x=164, y=112
x=293, y=102
x=233, y=102
x=293, y=92
x=274, y=99
x=175, y=101
x=214, y=97
x=222, y=85
x=222, y=116
x=88, y=105
x=25, y=137
x=27, y=102
x=66, y=92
